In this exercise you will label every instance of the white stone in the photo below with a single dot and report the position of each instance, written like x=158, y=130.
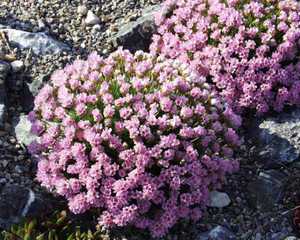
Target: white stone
x=82, y=10
x=96, y=28
x=91, y=18
x=40, y=43
x=17, y=65
x=23, y=131
x=219, y=199
x=30, y=200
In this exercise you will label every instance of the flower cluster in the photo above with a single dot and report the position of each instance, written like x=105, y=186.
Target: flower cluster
x=139, y=139
x=249, y=49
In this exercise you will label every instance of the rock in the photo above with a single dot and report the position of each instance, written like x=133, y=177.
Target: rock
x=22, y=131
x=4, y=163
x=17, y=202
x=280, y=235
x=267, y=190
x=2, y=113
x=291, y=238
x=31, y=89
x=41, y=25
x=40, y=43
x=217, y=233
x=91, y=18
x=17, y=65
x=219, y=199
x=136, y=35
x=96, y=28
x=277, y=139
x=82, y=10
x=4, y=71
x=258, y=236
x=37, y=83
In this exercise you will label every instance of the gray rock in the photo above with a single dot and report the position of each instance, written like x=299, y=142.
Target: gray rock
x=278, y=139
x=17, y=202
x=82, y=10
x=217, y=233
x=280, y=235
x=31, y=89
x=40, y=43
x=218, y=199
x=136, y=35
x=4, y=71
x=267, y=190
x=2, y=113
x=37, y=83
x=17, y=65
x=291, y=238
x=91, y=18
x=22, y=131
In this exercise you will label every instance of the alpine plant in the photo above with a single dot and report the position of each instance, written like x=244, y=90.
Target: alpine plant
x=140, y=140
x=249, y=49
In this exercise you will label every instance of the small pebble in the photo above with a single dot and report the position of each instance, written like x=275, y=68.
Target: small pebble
x=92, y=18
x=82, y=10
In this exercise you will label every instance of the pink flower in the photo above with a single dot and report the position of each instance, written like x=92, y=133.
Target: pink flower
x=125, y=147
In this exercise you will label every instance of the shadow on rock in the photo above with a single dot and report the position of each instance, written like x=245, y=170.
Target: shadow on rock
x=276, y=140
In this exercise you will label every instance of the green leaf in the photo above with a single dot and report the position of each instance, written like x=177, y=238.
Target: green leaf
x=71, y=237
x=27, y=237
x=41, y=237
x=31, y=226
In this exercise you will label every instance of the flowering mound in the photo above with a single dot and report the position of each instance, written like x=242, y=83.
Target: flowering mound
x=138, y=139
x=249, y=49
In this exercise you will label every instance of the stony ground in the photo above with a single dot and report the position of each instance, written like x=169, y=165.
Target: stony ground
x=259, y=200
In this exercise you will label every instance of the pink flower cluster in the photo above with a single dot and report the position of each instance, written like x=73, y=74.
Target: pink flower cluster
x=249, y=49
x=139, y=139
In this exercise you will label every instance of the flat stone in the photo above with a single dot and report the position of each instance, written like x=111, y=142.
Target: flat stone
x=219, y=199
x=277, y=139
x=267, y=190
x=40, y=43
x=217, y=233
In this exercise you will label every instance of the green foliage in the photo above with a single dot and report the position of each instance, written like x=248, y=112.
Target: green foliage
x=58, y=226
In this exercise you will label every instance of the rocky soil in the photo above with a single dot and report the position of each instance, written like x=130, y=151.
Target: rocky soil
x=39, y=36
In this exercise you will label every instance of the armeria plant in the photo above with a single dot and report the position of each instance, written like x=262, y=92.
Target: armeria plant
x=138, y=139
x=249, y=49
